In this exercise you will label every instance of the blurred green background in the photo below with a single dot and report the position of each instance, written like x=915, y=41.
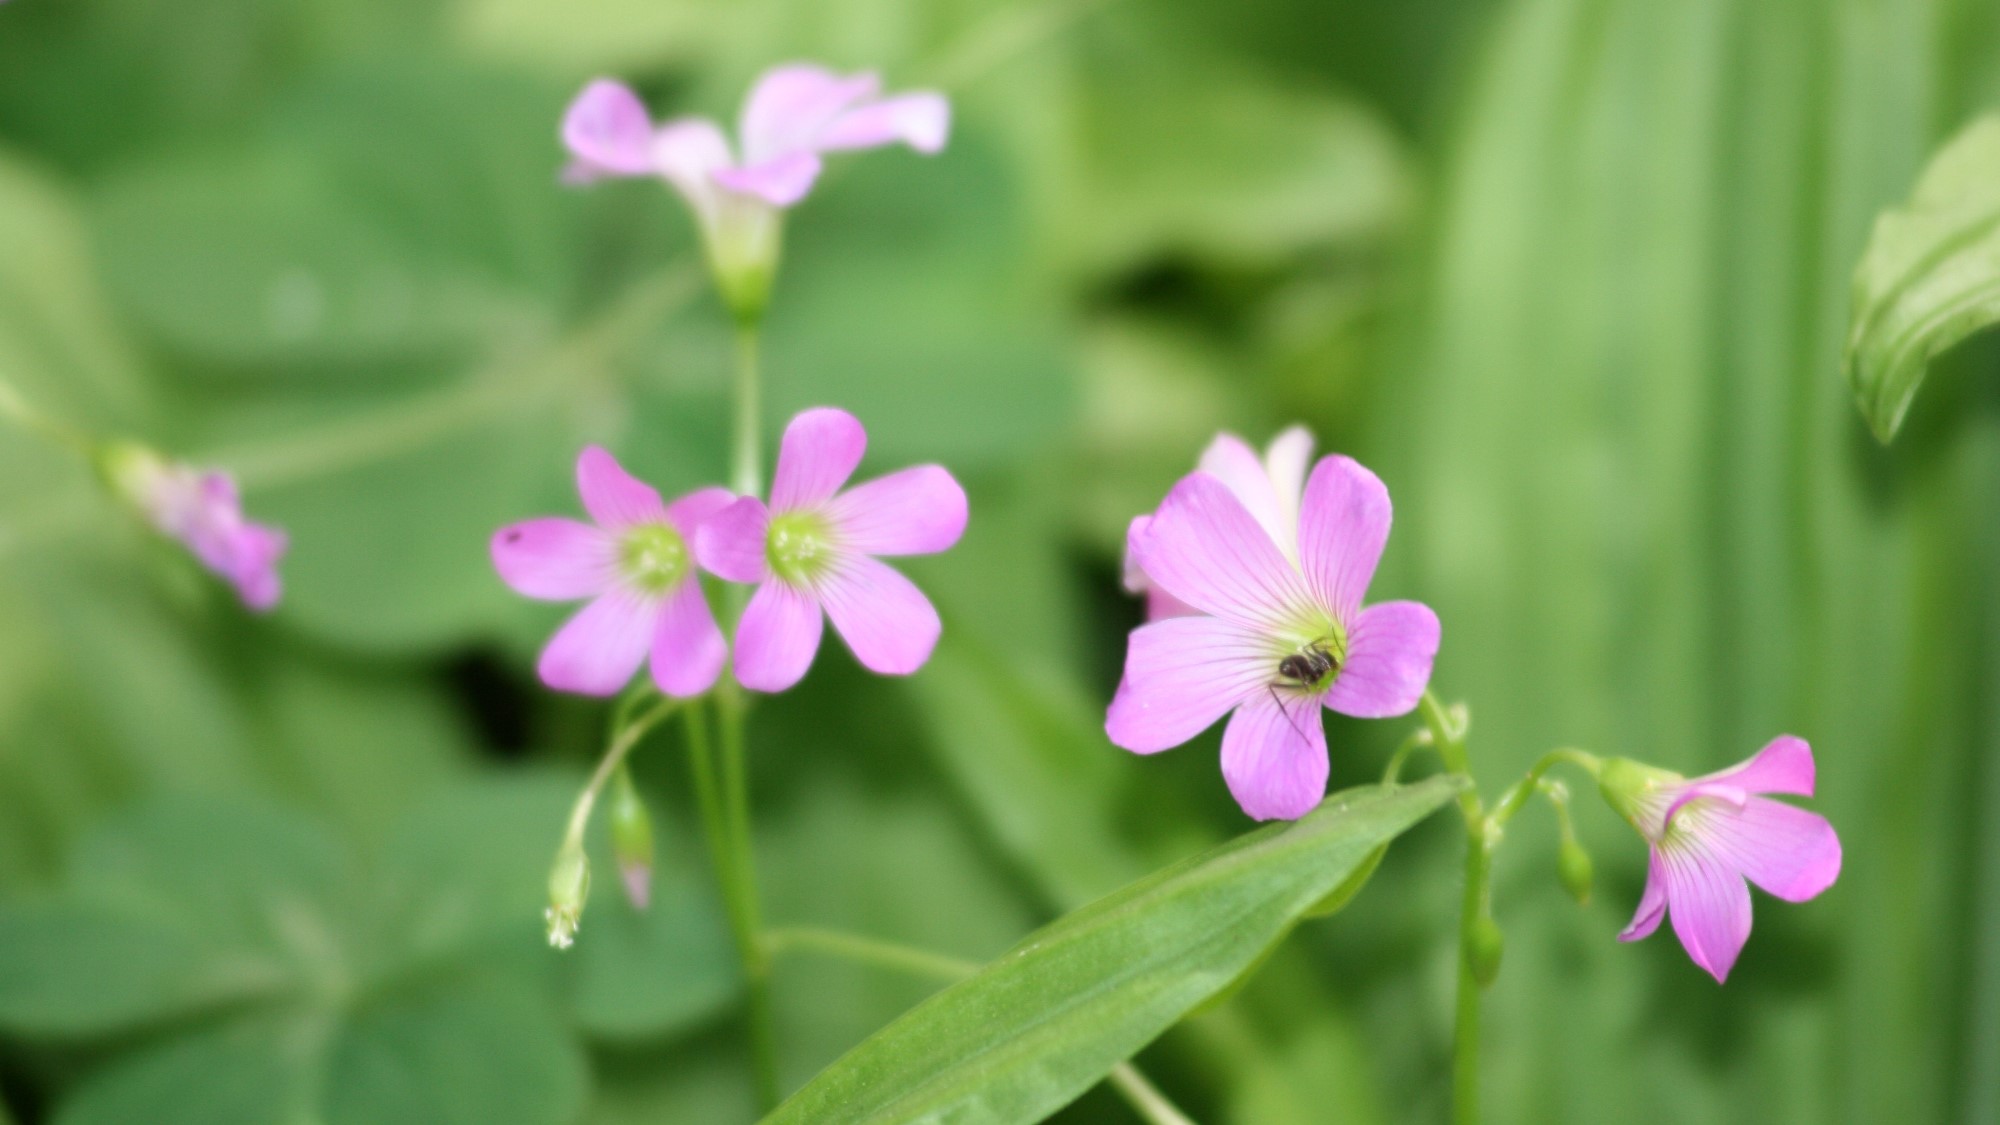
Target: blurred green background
x=1571, y=274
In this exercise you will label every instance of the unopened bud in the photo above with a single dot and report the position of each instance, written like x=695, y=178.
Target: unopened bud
x=1573, y=867
x=632, y=841
x=569, y=886
x=1484, y=949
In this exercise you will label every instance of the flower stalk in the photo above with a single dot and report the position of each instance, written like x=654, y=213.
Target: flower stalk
x=569, y=877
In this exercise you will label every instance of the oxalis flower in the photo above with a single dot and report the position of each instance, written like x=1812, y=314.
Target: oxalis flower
x=794, y=114
x=637, y=566
x=1275, y=639
x=1269, y=488
x=1708, y=835
x=201, y=509
x=815, y=547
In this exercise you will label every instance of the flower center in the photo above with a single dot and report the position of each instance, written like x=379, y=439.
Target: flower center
x=653, y=557
x=799, y=546
x=1311, y=659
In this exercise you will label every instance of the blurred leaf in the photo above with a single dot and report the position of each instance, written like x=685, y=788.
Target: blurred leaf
x=1038, y=1026
x=1929, y=278
x=644, y=973
x=907, y=297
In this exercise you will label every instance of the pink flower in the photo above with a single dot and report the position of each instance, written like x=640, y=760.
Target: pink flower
x=1710, y=834
x=203, y=510
x=636, y=566
x=795, y=113
x=816, y=546
x=1275, y=638
x=1268, y=488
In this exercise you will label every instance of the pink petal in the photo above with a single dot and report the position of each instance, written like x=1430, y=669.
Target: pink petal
x=554, y=559
x=1286, y=461
x=255, y=574
x=596, y=651
x=1343, y=526
x=1784, y=765
x=688, y=649
x=1161, y=605
x=777, y=637
x=1274, y=757
x=1788, y=851
x=882, y=616
x=1388, y=665
x=612, y=496
x=819, y=451
x=1230, y=460
x=1181, y=675
x=1205, y=549
x=606, y=128
x=730, y=543
x=920, y=119
x=918, y=511
x=690, y=152
x=1710, y=907
x=688, y=513
x=792, y=104
x=1652, y=904
x=1134, y=578
x=780, y=181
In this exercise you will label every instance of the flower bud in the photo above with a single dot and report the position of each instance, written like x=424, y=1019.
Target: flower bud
x=1573, y=867
x=1484, y=949
x=632, y=841
x=569, y=886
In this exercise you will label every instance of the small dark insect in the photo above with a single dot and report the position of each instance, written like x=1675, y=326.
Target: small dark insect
x=1308, y=667
x=1305, y=668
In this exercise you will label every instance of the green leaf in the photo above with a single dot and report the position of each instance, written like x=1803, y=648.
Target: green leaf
x=1930, y=276
x=1044, y=1022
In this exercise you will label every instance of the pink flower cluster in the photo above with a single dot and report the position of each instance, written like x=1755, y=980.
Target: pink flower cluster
x=1256, y=599
x=815, y=547
x=203, y=511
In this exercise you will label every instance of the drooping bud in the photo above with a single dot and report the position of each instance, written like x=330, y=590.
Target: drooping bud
x=569, y=887
x=632, y=840
x=1484, y=949
x=1573, y=867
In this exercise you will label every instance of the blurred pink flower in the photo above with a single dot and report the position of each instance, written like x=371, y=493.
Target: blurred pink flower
x=203, y=510
x=1269, y=488
x=795, y=113
x=636, y=566
x=1274, y=639
x=815, y=546
x=1708, y=835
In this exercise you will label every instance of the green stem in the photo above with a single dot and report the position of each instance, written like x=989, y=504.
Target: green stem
x=1465, y=1033
x=626, y=734
x=1131, y=1084
x=1418, y=740
x=1517, y=794
x=869, y=951
x=747, y=454
x=721, y=796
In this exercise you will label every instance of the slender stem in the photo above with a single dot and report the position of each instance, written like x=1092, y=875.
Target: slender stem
x=1465, y=1034
x=869, y=951
x=746, y=453
x=1131, y=1084
x=1144, y=1097
x=1419, y=739
x=740, y=886
x=1448, y=728
x=1517, y=794
x=13, y=406
x=625, y=735
x=720, y=797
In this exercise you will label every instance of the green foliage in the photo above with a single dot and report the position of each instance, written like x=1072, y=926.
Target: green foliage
x=1031, y=1031
x=1929, y=278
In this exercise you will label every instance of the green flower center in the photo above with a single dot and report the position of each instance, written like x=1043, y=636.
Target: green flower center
x=799, y=546
x=1309, y=658
x=653, y=557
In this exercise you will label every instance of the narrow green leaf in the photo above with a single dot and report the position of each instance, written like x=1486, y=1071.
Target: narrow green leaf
x=1929, y=278
x=1038, y=1026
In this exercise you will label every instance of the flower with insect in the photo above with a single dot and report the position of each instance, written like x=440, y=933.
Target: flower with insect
x=1276, y=636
